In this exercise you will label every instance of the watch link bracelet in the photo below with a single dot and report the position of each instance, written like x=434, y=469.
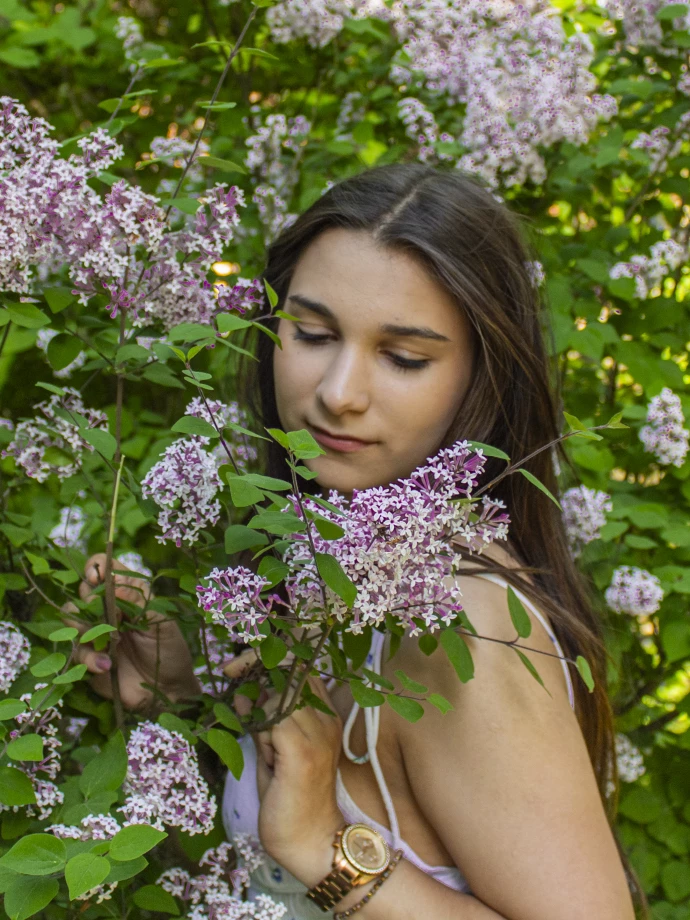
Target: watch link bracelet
x=361, y=855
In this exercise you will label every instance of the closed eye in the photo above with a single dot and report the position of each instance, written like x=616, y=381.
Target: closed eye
x=400, y=363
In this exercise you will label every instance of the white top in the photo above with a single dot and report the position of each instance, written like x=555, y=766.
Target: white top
x=241, y=798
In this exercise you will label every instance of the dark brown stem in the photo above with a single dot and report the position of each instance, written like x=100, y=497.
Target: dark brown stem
x=4, y=336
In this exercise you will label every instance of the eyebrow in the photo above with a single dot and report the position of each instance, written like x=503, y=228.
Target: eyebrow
x=421, y=332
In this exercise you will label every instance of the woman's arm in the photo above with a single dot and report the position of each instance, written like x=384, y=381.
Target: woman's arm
x=505, y=781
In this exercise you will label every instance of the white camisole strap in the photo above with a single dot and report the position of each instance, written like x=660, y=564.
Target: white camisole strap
x=372, y=715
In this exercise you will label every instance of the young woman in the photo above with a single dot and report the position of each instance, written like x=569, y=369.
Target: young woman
x=416, y=325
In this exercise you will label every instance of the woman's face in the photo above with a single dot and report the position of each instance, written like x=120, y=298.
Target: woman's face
x=380, y=353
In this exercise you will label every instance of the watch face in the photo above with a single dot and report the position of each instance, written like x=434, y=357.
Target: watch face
x=366, y=848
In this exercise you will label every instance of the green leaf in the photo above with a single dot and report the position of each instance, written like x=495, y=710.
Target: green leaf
x=84, y=872
x=174, y=724
x=133, y=841
x=427, y=643
x=189, y=424
x=243, y=494
x=227, y=717
x=121, y=871
x=279, y=436
x=440, y=702
x=585, y=672
x=615, y=421
x=518, y=614
x=26, y=747
x=540, y=485
x=10, y=708
x=51, y=664
x=107, y=770
x=409, y=709
x=530, y=667
x=272, y=569
x=366, y=696
x=228, y=749
x=66, y=634
x=132, y=352
x=378, y=679
x=186, y=205
x=276, y=522
x=356, y=646
x=490, y=451
x=273, y=650
x=264, y=482
x=238, y=537
x=230, y=322
x=272, y=296
x=103, y=441
x=672, y=11
x=100, y=630
x=16, y=788
x=151, y=897
x=36, y=854
x=332, y=573
x=218, y=163
x=51, y=388
x=157, y=63
x=458, y=654
x=27, y=315
x=328, y=529
x=19, y=57
x=39, y=565
x=26, y=897
x=62, y=350
x=74, y=674
x=303, y=445
x=412, y=685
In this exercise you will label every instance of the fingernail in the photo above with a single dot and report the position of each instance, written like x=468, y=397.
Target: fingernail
x=103, y=662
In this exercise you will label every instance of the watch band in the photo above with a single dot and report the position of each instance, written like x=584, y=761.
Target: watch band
x=331, y=889
x=344, y=876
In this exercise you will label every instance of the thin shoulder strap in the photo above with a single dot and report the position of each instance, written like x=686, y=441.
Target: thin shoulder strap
x=497, y=580
x=372, y=717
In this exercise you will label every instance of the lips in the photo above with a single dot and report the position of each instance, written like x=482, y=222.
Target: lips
x=339, y=437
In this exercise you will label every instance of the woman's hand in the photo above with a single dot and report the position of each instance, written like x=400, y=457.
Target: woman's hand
x=158, y=655
x=297, y=761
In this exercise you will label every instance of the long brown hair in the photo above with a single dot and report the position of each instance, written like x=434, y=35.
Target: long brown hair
x=478, y=251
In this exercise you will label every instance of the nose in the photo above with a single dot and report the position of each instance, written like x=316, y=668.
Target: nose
x=343, y=387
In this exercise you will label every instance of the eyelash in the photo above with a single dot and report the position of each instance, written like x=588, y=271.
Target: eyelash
x=401, y=364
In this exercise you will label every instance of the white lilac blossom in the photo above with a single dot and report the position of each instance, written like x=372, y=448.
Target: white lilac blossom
x=664, y=434
x=163, y=786
x=124, y=242
x=536, y=273
x=134, y=562
x=15, y=651
x=42, y=772
x=629, y=760
x=421, y=127
x=396, y=549
x=216, y=894
x=69, y=532
x=128, y=30
x=274, y=170
x=233, y=597
x=74, y=727
x=43, y=340
x=55, y=425
x=584, y=514
x=649, y=271
x=176, y=151
x=524, y=83
x=640, y=25
x=221, y=415
x=352, y=110
x=634, y=591
x=210, y=672
x=91, y=828
x=184, y=484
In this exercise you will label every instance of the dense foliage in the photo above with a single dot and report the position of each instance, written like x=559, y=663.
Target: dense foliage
x=576, y=113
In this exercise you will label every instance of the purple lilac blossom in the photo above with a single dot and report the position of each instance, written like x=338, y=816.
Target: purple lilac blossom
x=233, y=598
x=242, y=297
x=584, y=514
x=48, y=429
x=220, y=415
x=184, y=484
x=649, y=271
x=634, y=591
x=163, y=784
x=640, y=23
x=664, y=434
x=15, y=651
x=421, y=127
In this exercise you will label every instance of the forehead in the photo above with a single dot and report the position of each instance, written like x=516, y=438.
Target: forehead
x=361, y=280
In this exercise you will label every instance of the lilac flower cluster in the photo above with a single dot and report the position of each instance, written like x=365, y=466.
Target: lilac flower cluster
x=40, y=772
x=584, y=514
x=525, y=85
x=91, y=828
x=629, y=760
x=224, y=414
x=15, y=651
x=176, y=151
x=50, y=216
x=134, y=561
x=421, y=127
x=43, y=340
x=219, y=653
x=634, y=591
x=649, y=271
x=69, y=532
x=274, y=173
x=163, y=784
x=351, y=111
x=184, y=484
x=129, y=32
x=536, y=273
x=51, y=429
x=640, y=25
x=233, y=598
x=216, y=894
x=396, y=549
x=242, y=297
x=664, y=434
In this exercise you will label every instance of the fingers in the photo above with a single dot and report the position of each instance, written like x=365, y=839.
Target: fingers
x=241, y=663
x=96, y=662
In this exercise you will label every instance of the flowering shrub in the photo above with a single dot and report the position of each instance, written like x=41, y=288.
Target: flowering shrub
x=134, y=215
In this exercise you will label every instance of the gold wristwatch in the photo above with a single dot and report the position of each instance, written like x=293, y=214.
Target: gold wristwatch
x=361, y=854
